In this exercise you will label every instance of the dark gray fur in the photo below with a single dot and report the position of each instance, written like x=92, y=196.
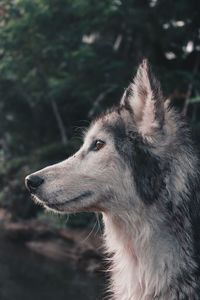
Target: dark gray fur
x=161, y=193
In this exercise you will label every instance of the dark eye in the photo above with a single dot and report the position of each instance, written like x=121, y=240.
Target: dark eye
x=99, y=144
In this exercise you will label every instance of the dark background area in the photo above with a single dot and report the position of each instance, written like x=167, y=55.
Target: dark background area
x=64, y=61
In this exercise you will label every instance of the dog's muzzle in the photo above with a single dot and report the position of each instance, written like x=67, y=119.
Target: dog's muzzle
x=32, y=182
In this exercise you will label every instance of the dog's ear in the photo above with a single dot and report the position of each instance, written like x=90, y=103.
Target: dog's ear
x=145, y=98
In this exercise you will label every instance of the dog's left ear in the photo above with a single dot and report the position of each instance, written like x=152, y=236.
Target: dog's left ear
x=145, y=98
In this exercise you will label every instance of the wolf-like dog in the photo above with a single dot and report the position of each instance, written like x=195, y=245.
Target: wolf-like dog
x=139, y=167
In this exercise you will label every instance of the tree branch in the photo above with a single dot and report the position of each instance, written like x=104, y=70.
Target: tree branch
x=190, y=86
x=55, y=109
x=59, y=122
x=98, y=100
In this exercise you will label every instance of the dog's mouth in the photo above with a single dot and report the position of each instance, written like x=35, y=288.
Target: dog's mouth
x=60, y=205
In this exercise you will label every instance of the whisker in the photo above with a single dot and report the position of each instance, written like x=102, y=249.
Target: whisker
x=89, y=234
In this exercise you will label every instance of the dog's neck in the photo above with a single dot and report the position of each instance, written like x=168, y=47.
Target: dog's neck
x=145, y=258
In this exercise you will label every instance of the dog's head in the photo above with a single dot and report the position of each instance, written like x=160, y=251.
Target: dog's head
x=119, y=164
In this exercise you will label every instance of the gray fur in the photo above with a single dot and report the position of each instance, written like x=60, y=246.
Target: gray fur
x=145, y=182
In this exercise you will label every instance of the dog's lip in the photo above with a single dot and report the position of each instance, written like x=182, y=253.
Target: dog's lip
x=59, y=205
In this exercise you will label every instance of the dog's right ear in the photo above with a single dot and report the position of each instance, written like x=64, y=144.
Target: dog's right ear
x=145, y=98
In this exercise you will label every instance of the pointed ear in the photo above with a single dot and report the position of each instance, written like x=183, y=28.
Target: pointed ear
x=144, y=97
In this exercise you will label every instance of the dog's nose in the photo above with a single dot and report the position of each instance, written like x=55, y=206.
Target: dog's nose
x=32, y=182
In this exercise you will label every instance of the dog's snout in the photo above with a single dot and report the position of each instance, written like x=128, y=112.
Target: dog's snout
x=32, y=182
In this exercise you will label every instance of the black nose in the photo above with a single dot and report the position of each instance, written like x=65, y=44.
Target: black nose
x=32, y=182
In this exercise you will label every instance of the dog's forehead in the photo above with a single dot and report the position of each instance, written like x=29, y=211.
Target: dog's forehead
x=96, y=131
x=99, y=127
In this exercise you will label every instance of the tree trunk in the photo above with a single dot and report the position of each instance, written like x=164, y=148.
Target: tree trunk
x=54, y=105
x=190, y=87
x=59, y=122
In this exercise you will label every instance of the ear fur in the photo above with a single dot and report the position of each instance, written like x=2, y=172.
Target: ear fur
x=145, y=98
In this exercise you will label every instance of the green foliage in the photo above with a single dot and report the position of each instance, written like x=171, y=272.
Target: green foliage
x=62, y=62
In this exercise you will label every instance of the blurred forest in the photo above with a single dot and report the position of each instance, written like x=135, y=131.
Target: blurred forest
x=64, y=61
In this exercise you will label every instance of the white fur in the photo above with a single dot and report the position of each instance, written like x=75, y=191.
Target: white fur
x=141, y=266
x=145, y=253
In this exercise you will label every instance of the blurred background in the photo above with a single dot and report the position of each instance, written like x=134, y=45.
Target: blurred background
x=61, y=63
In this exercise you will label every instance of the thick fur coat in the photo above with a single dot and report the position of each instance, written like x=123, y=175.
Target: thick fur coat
x=139, y=167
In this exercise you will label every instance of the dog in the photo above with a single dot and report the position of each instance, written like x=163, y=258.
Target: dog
x=139, y=167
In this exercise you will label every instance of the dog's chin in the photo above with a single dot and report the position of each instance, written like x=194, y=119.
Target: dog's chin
x=81, y=203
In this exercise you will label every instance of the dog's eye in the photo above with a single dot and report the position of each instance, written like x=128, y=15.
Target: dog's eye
x=99, y=144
